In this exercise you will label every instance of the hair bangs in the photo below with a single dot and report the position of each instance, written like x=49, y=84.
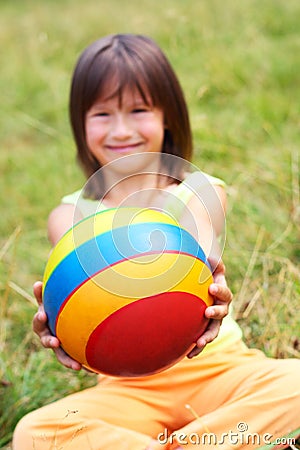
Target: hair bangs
x=111, y=74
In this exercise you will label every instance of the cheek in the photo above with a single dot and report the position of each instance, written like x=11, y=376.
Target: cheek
x=155, y=132
x=93, y=133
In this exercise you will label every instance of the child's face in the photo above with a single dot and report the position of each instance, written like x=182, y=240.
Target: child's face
x=114, y=130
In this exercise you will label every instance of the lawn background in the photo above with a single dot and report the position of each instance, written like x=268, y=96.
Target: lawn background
x=239, y=65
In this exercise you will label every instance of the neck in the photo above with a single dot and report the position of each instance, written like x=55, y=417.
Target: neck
x=134, y=190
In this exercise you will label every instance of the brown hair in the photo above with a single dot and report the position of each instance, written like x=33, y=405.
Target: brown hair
x=134, y=61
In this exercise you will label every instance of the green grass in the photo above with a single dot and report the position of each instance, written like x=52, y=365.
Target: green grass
x=239, y=65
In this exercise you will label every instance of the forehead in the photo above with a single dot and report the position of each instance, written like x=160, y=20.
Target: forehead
x=123, y=93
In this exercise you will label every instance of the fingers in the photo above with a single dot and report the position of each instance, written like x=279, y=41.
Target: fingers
x=40, y=327
x=39, y=323
x=210, y=333
x=196, y=350
x=216, y=312
x=222, y=297
x=221, y=293
x=48, y=341
x=66, y=360
x=208, y=336
x=37, y=290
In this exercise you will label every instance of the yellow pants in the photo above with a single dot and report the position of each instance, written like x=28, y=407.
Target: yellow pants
x=237, y=399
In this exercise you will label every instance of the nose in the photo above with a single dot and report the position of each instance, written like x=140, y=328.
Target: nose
x=121, y=127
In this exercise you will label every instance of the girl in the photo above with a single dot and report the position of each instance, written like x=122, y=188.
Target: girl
x=132, y=132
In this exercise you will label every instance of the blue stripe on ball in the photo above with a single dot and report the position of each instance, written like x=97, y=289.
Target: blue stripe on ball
x=100, y=252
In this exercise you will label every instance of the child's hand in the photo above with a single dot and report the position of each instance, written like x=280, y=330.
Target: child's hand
x=216, y=313
x=40, y=327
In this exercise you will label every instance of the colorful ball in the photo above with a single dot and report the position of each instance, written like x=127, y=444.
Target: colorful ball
x=125, y=291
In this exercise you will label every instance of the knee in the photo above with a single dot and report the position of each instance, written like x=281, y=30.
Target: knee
x=287, y=377
x=289, y=370
x=23, y=433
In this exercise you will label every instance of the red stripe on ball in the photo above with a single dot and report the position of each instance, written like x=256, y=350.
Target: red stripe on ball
x=163, y=328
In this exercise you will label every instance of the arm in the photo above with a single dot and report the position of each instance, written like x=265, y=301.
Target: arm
x=204, y=218
x=60, y=220
x=206, y=224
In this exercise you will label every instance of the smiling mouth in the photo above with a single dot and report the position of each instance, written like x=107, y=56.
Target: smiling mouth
x=123, y=148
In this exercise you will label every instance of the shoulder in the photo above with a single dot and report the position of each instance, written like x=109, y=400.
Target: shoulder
x=60, y=220
x=84, y=206
x=199, y=187
x=73, y=198
x=200, y=182
x=215, y=181
x=198, y=179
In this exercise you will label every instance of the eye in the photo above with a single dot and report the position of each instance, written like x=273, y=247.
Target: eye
x=140, y=109
x=101, y=114
x=97, y=113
